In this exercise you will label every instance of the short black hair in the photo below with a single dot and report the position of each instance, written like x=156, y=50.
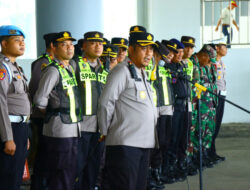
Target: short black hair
x=3, y=38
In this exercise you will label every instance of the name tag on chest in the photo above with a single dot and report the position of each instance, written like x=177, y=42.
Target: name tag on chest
x=67, y=83
x=87, y=76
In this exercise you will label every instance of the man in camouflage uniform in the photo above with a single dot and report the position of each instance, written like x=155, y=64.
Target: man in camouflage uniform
x=204, y=73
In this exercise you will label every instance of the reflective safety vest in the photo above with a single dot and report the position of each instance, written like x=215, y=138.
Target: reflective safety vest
x=153, y=79
x=165, y=88
x=90, y=85
x=149, y=69
x=189, y=68
x=45, y=55
x=67, y=90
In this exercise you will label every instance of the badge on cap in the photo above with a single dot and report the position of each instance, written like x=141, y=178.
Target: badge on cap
x=2, y=74
x=149, y=37
x=97, y=35
x=191, y=41
x=175, y=46
x=66, y=35
x=142, y=94
x=109, y=49
x=122, y=41
x=12, y=32
x=136, y=29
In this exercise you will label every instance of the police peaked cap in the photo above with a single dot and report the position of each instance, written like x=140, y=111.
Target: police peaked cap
x=179, y=44
x=137, y=28
x=93, y=36
x=63, y=36
x=141, y=38
x=120, y=42
x=188, y=41
x=170, y=45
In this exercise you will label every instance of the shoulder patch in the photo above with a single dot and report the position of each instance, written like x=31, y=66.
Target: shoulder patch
x=43, y=65
x=2, y=74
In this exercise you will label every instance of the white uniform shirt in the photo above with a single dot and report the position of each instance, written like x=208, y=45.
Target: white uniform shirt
x=225, y=16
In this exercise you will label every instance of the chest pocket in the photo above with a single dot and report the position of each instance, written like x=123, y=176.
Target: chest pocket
x=141, y=92
x=19, y=84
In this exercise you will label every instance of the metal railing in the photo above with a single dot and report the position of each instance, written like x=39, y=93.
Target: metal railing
x=208, y=22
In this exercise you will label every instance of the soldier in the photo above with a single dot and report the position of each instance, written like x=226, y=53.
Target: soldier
x=221, y=49
x=14, y=110
x=91, y=77
x=57, y=97
x=203, y=75
x=36, y=117
x=127, y=118
x=122, y=44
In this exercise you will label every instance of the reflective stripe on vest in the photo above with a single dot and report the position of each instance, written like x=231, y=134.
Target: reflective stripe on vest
x=87, y=76
x=46, y=56
x=154, y=94
x=68, y=83
x=189, y=68
x=149, y=69
x=163, y=73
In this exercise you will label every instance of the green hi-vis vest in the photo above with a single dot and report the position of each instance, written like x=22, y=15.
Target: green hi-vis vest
x=165, y=90
x=90, y=86
x=189, y=68
x=67, y=90
x=45, y=55
x=149, y=69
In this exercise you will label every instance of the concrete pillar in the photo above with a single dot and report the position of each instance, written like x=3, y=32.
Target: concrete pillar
x=75, y=16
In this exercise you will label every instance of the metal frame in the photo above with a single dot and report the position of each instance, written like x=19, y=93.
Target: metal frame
x=203, y=14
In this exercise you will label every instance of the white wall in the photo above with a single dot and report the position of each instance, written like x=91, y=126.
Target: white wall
x=238, y=78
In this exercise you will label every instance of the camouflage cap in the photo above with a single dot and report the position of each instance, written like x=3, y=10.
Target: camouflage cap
x=210, y=51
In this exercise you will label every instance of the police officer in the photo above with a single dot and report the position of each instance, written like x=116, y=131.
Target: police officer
x=36, y=118
x=127, y=117
x=58, y=98
x=109, y=57
x=181, y=93
x=163, y=98
x=122, y=44
x=221, y=49
x=172, y=47
x=91, y=76
x=14, y=110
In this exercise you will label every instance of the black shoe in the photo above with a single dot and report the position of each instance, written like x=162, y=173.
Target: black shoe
x=155, y=180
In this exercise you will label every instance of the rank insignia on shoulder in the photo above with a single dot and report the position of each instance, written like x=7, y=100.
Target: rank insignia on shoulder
x=142, y=95
x=43, y=66
x=2, y=74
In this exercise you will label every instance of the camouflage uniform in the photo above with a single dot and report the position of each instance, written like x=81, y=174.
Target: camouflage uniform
x=206, y=76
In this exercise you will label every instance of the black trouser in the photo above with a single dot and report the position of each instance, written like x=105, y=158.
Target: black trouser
x=38, y=181
x=185, y=136
x=12, y=167
x=163, y=130
x=61, y=162
x=219, y=116
x=89, y=160
x=176, y=133
x=126, y=168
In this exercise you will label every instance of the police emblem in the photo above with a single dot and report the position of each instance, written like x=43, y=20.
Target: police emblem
x=122, y=41
x=191, y=41
x=174, y=80
x=43, y=66
x=136, y=29
x=65, y=34
x=175, y=46
x=2, y=74
x=109, y=49
x=149, y=37
x=97, y=35
x=12, y=32
x=142, y=95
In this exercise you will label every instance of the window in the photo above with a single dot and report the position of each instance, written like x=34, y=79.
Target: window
x=21, y=14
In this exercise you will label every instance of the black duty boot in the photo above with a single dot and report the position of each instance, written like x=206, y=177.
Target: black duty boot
x=207, y=161
x=155, y=178
x=168, y=174
x=191, y=167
